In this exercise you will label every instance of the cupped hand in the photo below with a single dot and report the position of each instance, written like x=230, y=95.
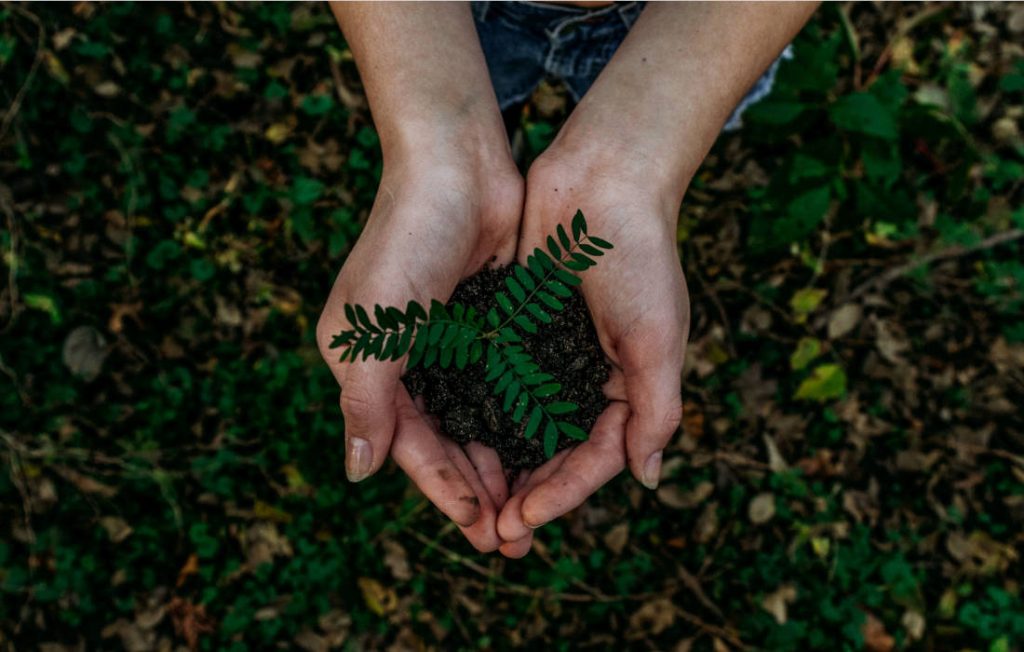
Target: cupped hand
x=436, y=220
x=638, y=299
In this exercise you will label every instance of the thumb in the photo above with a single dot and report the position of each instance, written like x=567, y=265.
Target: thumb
x=368, y=407
x=653, y=386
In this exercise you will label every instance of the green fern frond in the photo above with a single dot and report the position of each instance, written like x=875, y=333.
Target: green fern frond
x=457, y=335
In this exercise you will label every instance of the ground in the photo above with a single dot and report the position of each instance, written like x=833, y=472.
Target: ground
x=179, y=185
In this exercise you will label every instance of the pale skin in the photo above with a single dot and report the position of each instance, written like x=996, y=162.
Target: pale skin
x=625, y=157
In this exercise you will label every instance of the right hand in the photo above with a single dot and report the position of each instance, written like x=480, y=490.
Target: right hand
x=441, y=214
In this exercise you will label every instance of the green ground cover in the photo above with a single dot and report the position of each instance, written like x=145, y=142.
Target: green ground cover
x=179, y=184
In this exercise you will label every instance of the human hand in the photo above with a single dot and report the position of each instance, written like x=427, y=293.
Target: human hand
x=638, y=299
x=437, y=218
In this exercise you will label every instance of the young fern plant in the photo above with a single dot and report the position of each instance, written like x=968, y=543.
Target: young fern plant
x=459, y=335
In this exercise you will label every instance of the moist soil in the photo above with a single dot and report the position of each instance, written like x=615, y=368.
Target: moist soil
x=465, y=405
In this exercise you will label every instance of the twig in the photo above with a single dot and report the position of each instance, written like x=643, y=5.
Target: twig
x=713, y=295
x=20, y=95
x=903, y=29
x=12, y=268
x=956, y=251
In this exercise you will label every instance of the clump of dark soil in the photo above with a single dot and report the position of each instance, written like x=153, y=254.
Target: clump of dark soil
x=567, y=348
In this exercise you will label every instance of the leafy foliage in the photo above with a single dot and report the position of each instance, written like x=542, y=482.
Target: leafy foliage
x=194, y=212
x=457, y=335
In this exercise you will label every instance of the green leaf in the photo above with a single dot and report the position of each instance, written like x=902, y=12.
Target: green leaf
x=414, y=312
x=805, y=301
x=571, y=430
x=506, y=335
x=563, y=237
x=403, y=343
x=503, y=382
x=550, y=301
x=505, y=303
x=438, y=311
x=536, y=311
x=556, y=253
x=495, y=370
x=364, y=319
x=461, y=356
x=562, y=407
x=565, y=277
x=826, y=382
x=446, y=357
x=549, y=389
x=389, y=346
x=524, y=322
x=521, y=404
x=515, y=288
x=592, y=250
x=807, y=349
x=511, y=392
x=350, y=315
x=524, y=277
x=579, y=225
x=476, y=351
x=604, y=244
x=383, y=318
x=584, y=260
x=435, y=333
x=864, y=113
x=533, y=423
x=492, y=317
x=535, y=265
x=557, y=287
x=550, y=439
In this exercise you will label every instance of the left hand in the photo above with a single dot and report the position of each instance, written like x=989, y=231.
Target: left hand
x=638, y=299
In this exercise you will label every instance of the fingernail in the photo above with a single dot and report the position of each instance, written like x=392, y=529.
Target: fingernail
x=652, y=471
x=533, y=527
x=358, y=459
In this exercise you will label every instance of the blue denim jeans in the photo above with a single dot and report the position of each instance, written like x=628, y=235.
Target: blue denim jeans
x=526, y=42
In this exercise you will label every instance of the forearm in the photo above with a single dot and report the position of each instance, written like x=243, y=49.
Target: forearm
x=663, y=98
x=424, y=73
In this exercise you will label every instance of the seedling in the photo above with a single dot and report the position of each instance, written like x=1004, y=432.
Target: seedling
x=460, y=336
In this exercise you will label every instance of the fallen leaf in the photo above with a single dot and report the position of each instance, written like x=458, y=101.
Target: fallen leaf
x=806, y=301
x=761, y=508
x=676, y=497
x=397, y=561
x=379, y=599
x=826, y=382
x=617, y=537
x=117, y=528
x=84, y=351
x=843, y=320
x=776, y=602
x=914, y=622
x=876, y=639
x=807, y=349
x=652, y=618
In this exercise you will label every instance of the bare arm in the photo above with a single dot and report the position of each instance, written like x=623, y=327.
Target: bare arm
x=424, y=73
x=625, y=157
x=450, y=200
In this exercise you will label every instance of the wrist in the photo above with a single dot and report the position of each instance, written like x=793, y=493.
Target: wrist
x=614, y=146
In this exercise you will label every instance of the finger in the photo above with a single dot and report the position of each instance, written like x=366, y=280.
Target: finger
x=488, y=466
x=517, y=549
x=588, y=467
x=368, y=406
x=510, y=522
x=483, y=534
x=419, y=452
x=653, y=386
